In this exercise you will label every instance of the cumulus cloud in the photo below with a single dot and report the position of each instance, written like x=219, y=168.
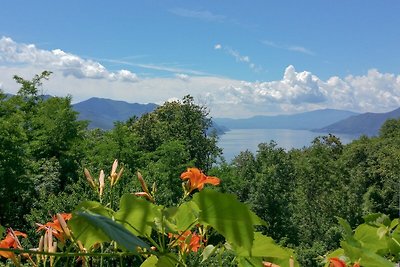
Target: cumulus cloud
x=295, y=91
x=182, y=76
x=217, y=46
x=69, y=64
x=301, y=91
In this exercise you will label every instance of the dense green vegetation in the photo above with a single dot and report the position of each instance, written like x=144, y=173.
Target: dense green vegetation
x=299, y=193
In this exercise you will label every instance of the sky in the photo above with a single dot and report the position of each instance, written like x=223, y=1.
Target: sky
x=239, y=58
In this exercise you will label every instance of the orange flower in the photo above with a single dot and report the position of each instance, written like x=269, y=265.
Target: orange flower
x=336, y=262
x=187, y=241
x=197, y=179
x=11, y=241
x=56, y=226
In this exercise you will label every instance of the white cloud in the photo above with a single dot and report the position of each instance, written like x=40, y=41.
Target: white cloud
x=238, y=57
x=217, y=46
x=294, y=48
x=69, y=64
x=296, y=91
x=182, y=76
x=125, y=75
x=197, y=14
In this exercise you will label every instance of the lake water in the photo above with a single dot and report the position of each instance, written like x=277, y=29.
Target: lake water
x=237, y=140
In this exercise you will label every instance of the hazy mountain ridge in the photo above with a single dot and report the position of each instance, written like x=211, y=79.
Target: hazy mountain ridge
x=363, y=124
x=300, y=121
x=102, y=113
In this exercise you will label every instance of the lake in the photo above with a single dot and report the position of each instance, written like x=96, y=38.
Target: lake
x=237, y=140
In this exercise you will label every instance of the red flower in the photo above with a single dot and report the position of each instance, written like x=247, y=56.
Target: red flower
x=55, y=226
x=11, y=241
x=187, y=241
x=336, y=262
x=197, y=179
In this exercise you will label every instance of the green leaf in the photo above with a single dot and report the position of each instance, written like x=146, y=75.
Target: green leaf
x=87, y=233
x=228, y=216
x=150, y=261
x=249, y=262
x=2, y=230
x=377, y=219
x=382, y=231
x=207, y=252
x=184, y=216
x=167, y=260
x=346, y=226
x=265, y=247
x=112, y=231
x=137, y=214
x=394, y=223
x=394, y=246
x=367, y=235
x=95, y=207
x=365, y=257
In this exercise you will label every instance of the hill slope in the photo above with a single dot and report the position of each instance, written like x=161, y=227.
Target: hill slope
x=301, y=121
x=102, y=113
x=366, y=123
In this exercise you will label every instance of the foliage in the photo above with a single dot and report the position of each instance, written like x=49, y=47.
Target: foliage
x=44, y=151
x=153, y=233
x=373, y=243
x=181, y=121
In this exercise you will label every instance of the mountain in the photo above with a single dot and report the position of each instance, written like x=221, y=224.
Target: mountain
x=102, y=113
x=363, y=124
x=301, y=121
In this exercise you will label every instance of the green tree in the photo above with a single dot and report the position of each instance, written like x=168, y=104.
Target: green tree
x=271, y=195
x=183, y=121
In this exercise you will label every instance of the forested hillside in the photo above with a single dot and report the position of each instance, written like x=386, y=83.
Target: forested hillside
x=300, y=193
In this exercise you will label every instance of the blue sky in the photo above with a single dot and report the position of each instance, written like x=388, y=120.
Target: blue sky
x=241, y=58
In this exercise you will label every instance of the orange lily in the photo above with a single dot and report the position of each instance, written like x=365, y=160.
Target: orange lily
x=11, y=241
x=336, y=262
x=187, y=241
x=197, y=179
x=57, y=226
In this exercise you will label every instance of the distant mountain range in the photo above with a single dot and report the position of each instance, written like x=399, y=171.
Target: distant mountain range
x=102, y=113
x=301, y=121
x=362, y=124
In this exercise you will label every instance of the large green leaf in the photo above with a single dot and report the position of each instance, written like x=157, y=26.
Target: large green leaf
x=249, y=262
x=228, y=216
x=208, y=251
x=266, y=248
x=95, y=207
x=368, y=237
x=184, y=216
x=365, y=257
x=86, y=232
x=377, y=219
x=150, y=261
x=111, y=231
x=167, y=260
x=137, y=214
